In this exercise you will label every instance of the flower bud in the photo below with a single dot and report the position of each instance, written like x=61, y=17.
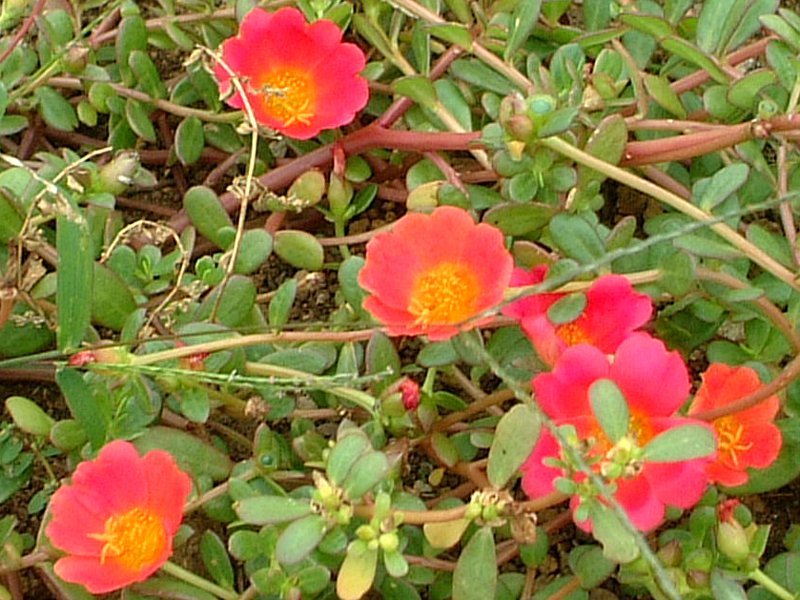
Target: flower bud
x=389, y=541
x=410, y=391
x=671, y=554
x=732, y=541
x=520, y=127
x=116, y=176
x=340, y=192
x=696, y=578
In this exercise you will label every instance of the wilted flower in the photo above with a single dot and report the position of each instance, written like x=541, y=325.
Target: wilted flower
x=432, y=273
x=748, y=438
x=117, y=517
x=654, y=382
x=300, y=78
x=613, y=311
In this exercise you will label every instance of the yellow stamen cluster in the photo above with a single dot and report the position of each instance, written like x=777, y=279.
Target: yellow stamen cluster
x=730, y=432
x=288, y=96
x=573, y=333
x=133, y=539
x=446, y=294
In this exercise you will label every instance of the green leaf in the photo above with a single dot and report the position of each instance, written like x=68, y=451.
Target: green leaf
x=268, y=510
x=710, y=192
x=206, y=213
x=475, y=576
x=481, y=75
x=660, y=90
x=300, y=249
x=685, y=442
x=191, y=453
x=280, y=306
x=596, y=14
x=445, y=534
x=83, y=406
x=689, y=52
x=619, y=544
x=189, y=140
x=55, y=109
x=454, y=33
x=300, y=538
x=514, y=439
x=112, y=301
x=418, y=88
x=787, y=33
x=132, y=35
x=357, y=571
x=146, y=74
x=367, y=472
x=519, y=219
x=523, y=19
x=714, y=19
x=744, y=92
x=610, y=408
x=254, y=250
x=654, y=26
x=216, y=560
x=724, y=587
x=576, y=238
x=138, y=116
x=344, y=454
x=567, y=309
x=74, y=283
x=381, y=357
x=590, y=566
x=29, y=416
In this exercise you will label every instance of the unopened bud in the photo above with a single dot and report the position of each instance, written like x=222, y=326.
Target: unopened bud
x=389, y=541
x=732, y=541
x=116, y=176
x=410, y=391
x=696, y=579
x=340, y=192
x=520, y=127
x=671, y=554
x=309, y=187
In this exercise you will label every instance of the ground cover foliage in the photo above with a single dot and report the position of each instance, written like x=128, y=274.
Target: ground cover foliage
x=398, y=298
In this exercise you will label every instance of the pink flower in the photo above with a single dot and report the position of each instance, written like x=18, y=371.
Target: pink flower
x=433, y=273
x=748, y=438
x=613, y=311
x=655, y=384
x=299, y=77
x=117, y=518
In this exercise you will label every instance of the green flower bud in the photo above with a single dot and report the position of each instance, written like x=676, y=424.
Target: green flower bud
x=389, y=541
x=671, y=554
x=116, y=176
x=340, y=192
x=697, y=579
x=366, y=533
x=732, y=541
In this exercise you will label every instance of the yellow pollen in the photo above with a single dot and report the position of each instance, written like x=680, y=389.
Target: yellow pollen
x=730, y=431
x=133, y=539
x=288, y=96
x=573, y=333
x=446, y=294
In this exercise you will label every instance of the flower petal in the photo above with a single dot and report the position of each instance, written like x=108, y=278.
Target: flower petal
x=96, y=577
x=167, y=488
x=614, y=310
x=563, y=392
x=643, y=507
x=654, y=380
x=537, y=478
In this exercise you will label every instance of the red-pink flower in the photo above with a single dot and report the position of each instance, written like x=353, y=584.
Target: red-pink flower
x=655, y=384
x=299, y=77
x=433, y=273
x=748, y=438
x=613, y=311
x=117, y=517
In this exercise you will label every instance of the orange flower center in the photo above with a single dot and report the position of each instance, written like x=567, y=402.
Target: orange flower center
x=133, y=539
x=573, y=333
x=445, y=294
x=289, y=96
x=730, y=431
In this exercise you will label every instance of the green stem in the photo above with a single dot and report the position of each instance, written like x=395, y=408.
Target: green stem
x=773, y=586
x=730, y=235
x=199, y=582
